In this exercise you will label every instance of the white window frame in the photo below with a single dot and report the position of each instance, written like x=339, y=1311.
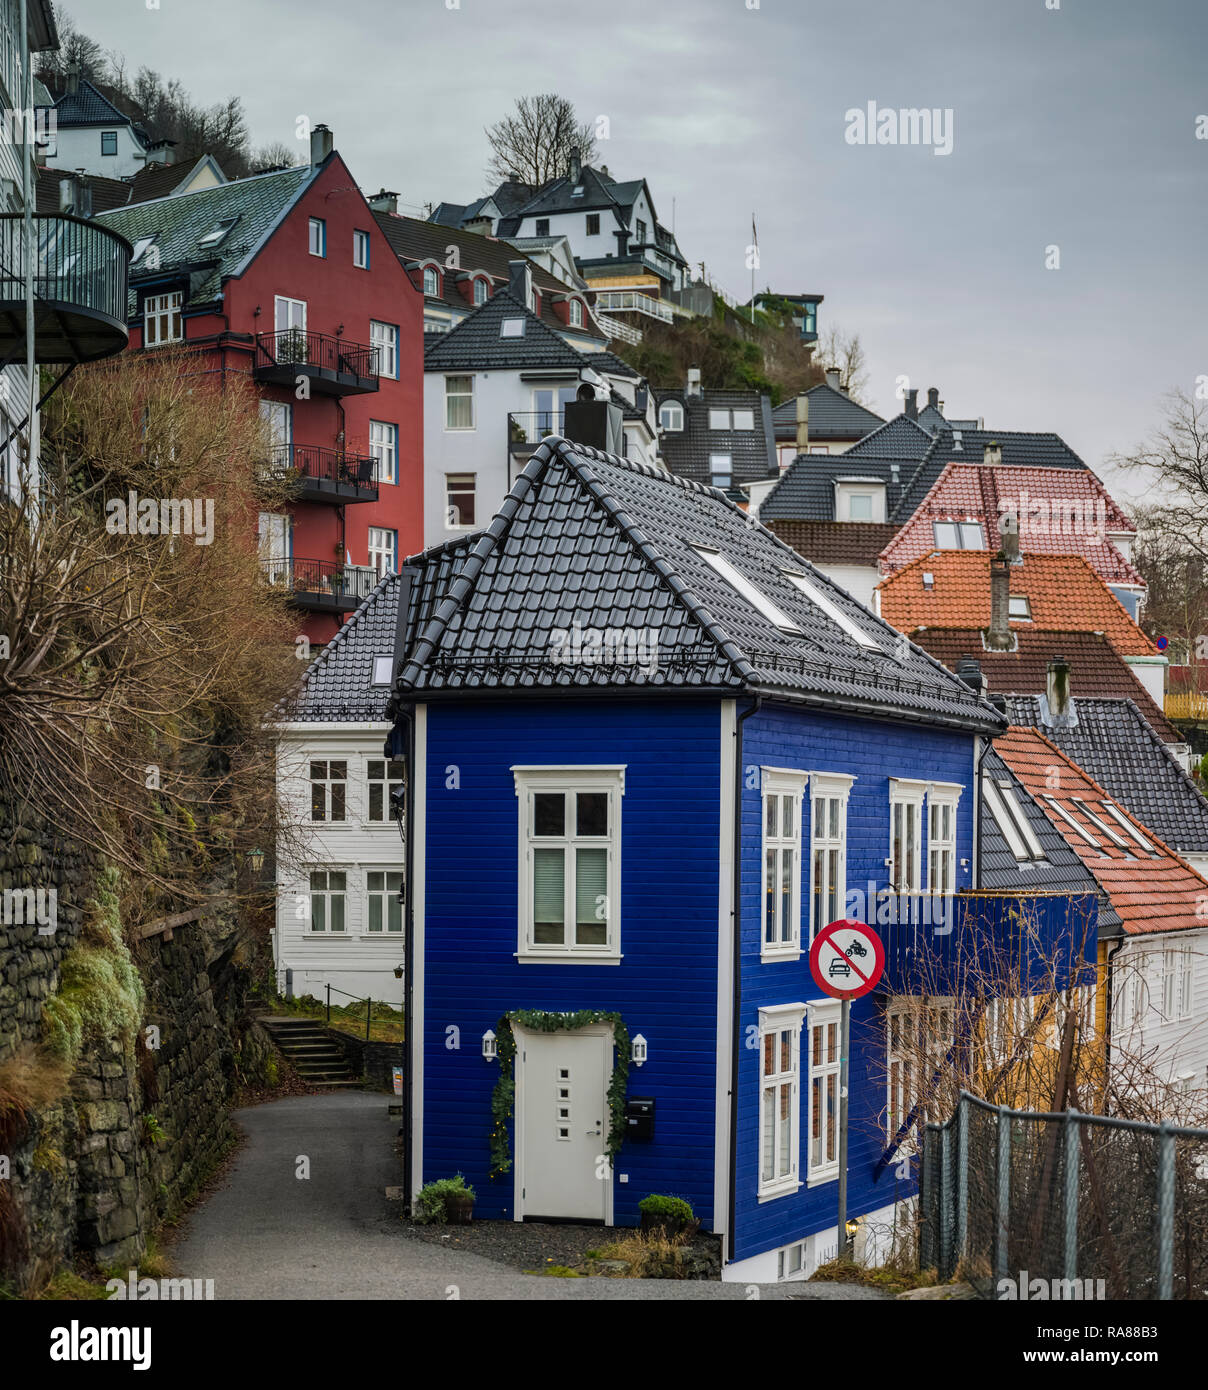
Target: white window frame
x=903, y=1088
x=822, y=1016
x=576, y=313
x=832, y=610
x=385, y=896
x=164, y=313
x=906, y=792
x=568, y=781
x=827, y=787
x=317, y=224
x=940, y=795
x=327, y=781
x=383, y=446
x=387, y=782
x=383, y=550
x=674, y=411
x=745, y=589
x=772, y=1022
x=736, y=416
x=432, y=285
x=384, y=337
x=1012, y=821
x=721, y=463
x=327, y=894
x=782, y=784
x=360, y=249
x=451, y=396
x=451, y=508
x=715, y=415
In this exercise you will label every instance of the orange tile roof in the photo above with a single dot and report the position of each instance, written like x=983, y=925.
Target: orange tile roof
x=1063, y=592
x=1061, y=511
x=1157, y=892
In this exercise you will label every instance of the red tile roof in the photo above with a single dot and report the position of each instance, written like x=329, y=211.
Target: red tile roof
x=835, y=542
x=1063, y=591
x=1061, y=511
x=1097, y=671
x=1156, y=892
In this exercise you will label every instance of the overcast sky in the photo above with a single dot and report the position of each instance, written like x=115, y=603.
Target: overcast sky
x=1071, y=127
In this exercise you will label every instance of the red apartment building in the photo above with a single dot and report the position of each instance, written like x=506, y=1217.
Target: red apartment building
x=287, y=278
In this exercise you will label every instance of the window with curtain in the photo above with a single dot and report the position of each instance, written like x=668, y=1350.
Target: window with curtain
x=782, y=792
x=779, y=1099
x=570, y=848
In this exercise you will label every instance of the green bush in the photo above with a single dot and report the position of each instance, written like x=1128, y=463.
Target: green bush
x=430, y=1200
x=671, y=1211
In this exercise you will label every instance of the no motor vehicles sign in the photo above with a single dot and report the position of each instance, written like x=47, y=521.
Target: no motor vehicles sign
x=847, y=959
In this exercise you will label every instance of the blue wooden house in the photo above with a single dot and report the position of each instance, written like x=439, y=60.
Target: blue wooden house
x=651, y=751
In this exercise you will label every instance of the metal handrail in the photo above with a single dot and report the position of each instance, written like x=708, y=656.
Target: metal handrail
x=356, y=999
x=325, y=464
x=297, y=347
x=320, y=576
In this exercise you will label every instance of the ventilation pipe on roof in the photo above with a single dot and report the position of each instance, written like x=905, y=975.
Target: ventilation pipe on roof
x=969, y=670
x=933, y=399
x=161, y=152
x=803, y=424
x=1057, y=687
x=384, y=201
x=576, y=166
x=993, y=453
x=692, y=388
x=73, y=77
x=1008, y=530
x=322, y=142
x=998, y=638
x=912, y=404
x=832, y=378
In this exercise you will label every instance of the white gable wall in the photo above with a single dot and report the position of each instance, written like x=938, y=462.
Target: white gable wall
x=79, y=147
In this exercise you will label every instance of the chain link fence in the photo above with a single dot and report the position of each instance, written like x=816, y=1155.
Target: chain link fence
x=1088, y=1205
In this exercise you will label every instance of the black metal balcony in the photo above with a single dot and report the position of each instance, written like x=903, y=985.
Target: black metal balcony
x=320, y=586
x=327, y=475
x=81, y=278
x=334, y=366
x=527, y=428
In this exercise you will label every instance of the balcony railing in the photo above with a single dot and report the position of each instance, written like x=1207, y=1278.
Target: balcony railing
x=633, y=302
x=327, y=475
x=81, y=278
x=1186, y=704
x=527, y=428
x=618, y=328
x=321, y=585
x=334, y=366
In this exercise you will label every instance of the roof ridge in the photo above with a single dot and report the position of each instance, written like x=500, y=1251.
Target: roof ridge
x=213, y=188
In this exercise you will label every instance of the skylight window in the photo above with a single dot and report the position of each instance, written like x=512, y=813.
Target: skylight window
x=511, y=328
x=218, y=232
x=1127, y=826
x=141, y=247
x=1012, y=820
x=382, y=669
x=1081, y=829
x=1019, y=607
x=832, y=611
x=746, y=589
x=958, y=535
x=577, y=191
x=1118, y=840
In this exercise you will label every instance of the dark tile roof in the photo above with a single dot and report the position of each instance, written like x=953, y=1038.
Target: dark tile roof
x=834, y=542
x=1096, y=669
x=87, y=107
x=413, y=240
x=898, y=438
x=475, y=343
x=833, y=415
x=177, y=223
x=161, y=180
x=1113, y=742
x=106, y=193
x=556, y=196
x=752, y=452
x=611, y=363
x=1061, y=871
x=585, y=537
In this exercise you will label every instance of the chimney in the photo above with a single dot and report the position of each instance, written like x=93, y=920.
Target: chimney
x=576, y=168
x=604, y=171
x=384, y=201
x=969, y=670
x=912, y=405
x=73, y=77
x=1057, y=687
x=832, y=378
x=693, y=385
x=75, y=195
x=1008, y=532
x=998, y=638
x=514, y=176
x=321, y=144
x=520, y=282
x=993, y=453
x=161, y=152
x=480, y=226
x=803, y=424
x=598, y=423
x=933, y=399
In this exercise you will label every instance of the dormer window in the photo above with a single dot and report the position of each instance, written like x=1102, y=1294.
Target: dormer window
x=671, y=416
x=859, y=499
x=480, y=291
x=576, y=313
x=431, y=282
x=162, y=321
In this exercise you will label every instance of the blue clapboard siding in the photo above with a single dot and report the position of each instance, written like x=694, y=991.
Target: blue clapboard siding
x=873, y=752
x=666, y=984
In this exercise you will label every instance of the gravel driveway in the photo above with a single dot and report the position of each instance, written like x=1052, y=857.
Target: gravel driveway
x=266, y=1231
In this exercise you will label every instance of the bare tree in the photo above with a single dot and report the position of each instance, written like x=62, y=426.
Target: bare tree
x=1174, y=462
x=272, y=156
x=836, y=348
x=537, y=139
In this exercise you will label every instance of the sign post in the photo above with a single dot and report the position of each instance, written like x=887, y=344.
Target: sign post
x=847, y=959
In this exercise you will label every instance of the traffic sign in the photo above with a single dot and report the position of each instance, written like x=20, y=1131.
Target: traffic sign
x=847, y=959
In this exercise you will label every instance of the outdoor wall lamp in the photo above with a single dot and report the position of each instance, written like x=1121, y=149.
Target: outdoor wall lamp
x=637, y=1050
x=852, y=1227
x=488, y=1045
x=398, y=972
x=255, y=860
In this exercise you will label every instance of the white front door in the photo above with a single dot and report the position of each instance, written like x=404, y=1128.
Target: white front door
x=562, y=1124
